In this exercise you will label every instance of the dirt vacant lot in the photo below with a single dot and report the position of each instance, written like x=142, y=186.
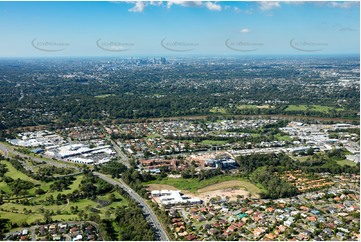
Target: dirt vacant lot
x=152, y=187
x=229, y=189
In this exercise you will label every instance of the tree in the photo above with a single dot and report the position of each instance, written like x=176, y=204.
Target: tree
x=310, y=151
x=112, y=197
x=47, y=216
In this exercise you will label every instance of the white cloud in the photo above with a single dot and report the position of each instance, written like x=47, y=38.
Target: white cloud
x=347, y=29
x=238, y=10
x=213, y=6
x=184, y=3
x=245, y=30
x=156, y=3
x=294, y=2
x=265, y=6
x=138, y=7
x=343, y=4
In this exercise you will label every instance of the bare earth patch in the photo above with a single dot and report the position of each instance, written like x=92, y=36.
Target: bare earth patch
x=229, y=189
x=265, y=106
x=152, y=187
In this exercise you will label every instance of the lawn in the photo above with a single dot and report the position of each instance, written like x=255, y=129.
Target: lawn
x=152, y=136
x=193, y=184
x=346, y=162
x=4, y=187
x=15, y=174
x=283, y=137
x=104, y=96
x=46, y=187
x=255, y=135
x=120, y=200
x=315, y=108
x=213, y=142
x=21, y=218
x=15, y=212
x=75, y=185
x=300, y=158
x=247, y=107
x=254, y=107
x=218, y=110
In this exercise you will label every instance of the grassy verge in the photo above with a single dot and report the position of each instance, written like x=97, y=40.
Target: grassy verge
x=218, y=110
x=104, y=96
x=20, y=218
x=193, y=184
x=214, y=142
x=120, y=200
x=254, y=107
x=283, y=137
x=4, y=187
x=315, y=108
x=346, y=162
x=15, y=174
x=300, y=158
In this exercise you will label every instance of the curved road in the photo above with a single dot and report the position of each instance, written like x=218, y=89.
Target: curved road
x=6, y=150
x=147, y=211
x=123, y=157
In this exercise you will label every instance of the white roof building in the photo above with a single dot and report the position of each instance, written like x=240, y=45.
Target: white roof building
x=170, y=197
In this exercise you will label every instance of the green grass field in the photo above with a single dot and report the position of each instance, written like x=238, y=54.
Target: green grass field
x=15, y=174
x=46, y=187
x=213, y=142
x=121, y=201
x=250, y=106
x=20, y=218
x=255, y=135
x=152, y=136
x=247, y=107
x=218, y=110
x=300, y=158
x=346, y=162
x=193, y=184
x=283, y=137
x=15, y=211
x=4, y=187
x=104, y=96
x=315, y=108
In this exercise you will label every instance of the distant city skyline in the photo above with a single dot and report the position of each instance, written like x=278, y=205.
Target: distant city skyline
x=178, y=28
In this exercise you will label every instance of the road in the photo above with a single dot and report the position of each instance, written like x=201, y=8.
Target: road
x=160, y=232
x=6, y=150
x=147, y=211
x=123, y=157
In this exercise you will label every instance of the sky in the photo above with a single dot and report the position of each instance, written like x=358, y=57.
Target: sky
x=50, y=29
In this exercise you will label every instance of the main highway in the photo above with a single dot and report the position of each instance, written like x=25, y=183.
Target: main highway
x=160, y=232
x=123, y=158
x=6, y=150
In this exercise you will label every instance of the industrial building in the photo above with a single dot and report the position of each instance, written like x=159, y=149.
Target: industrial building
x=170, y=197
